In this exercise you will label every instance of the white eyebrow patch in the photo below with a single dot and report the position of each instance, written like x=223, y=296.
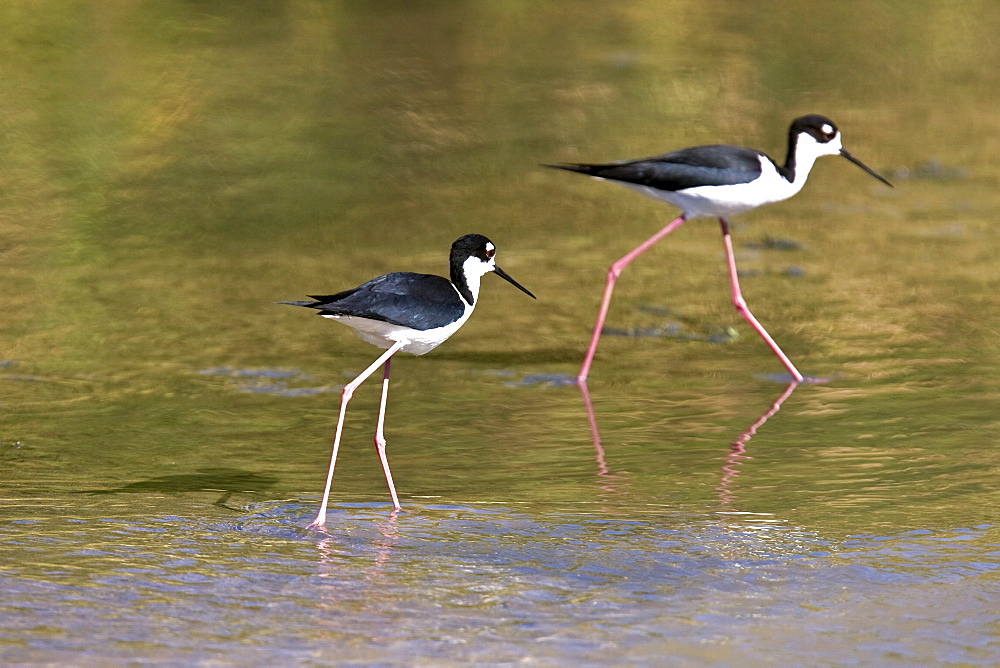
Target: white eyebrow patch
x=827, y=128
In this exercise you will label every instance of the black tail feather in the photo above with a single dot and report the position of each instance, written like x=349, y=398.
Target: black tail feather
x=306, y=304
x=577, y=167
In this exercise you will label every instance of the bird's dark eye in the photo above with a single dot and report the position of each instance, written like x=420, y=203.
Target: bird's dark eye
x=490, y=252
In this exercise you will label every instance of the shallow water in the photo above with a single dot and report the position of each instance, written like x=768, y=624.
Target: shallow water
x=172, y=171
x=493, y=583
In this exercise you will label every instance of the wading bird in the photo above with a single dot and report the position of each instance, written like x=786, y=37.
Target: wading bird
x=413, y=313
x=717, y=181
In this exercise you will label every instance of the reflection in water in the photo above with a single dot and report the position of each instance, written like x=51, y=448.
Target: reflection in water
x=737, y=449
x=609, y=482
x=595, y=434
x=735, y=458
x=331, y=552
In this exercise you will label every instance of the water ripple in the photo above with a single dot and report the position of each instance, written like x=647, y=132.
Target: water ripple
x=487, y=581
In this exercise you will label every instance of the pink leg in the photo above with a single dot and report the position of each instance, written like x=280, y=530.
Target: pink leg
x=319, y=523
x=741, y=305
x=613, y=273
x=380, y=437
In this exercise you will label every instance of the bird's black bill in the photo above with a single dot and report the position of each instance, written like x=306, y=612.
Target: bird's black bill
x=864, y=166
x=505, y=276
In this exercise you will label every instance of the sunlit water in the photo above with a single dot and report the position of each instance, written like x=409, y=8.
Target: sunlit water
x=171, y=171
x=495, y=584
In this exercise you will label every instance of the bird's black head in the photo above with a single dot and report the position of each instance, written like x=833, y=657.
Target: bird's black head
x=818, y=127
x=826, y=140
x=472, y=245
x=481, y=251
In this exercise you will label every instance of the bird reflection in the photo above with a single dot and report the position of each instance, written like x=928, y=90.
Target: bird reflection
x=737, y=449
x=331, y=552
x=734, y=460
x=610, y=482
x=595, y=435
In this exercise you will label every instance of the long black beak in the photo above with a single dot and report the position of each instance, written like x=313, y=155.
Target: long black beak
x=505, y=276
x=863, y=166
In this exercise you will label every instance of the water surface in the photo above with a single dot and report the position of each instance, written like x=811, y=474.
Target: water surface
x=170, y=172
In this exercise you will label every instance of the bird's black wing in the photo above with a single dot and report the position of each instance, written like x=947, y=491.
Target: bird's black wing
x=419, y=301
x=687, y=168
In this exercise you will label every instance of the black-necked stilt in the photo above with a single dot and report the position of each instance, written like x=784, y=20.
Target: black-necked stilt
x=720, y=181
x=413, y=313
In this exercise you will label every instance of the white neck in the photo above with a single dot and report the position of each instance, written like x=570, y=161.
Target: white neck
x=807, y=150
x=473, y=269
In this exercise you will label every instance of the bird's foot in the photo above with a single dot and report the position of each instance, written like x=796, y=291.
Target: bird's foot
x=317, y=525
x=789, y=378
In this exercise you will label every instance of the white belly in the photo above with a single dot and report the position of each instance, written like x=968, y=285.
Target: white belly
x=730, y=200
x=384, y=334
